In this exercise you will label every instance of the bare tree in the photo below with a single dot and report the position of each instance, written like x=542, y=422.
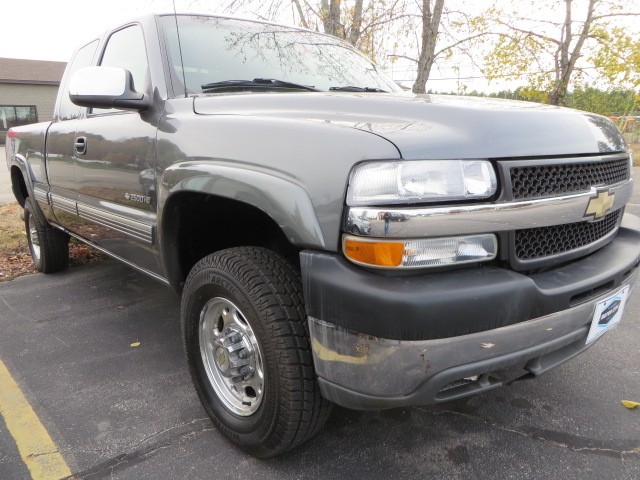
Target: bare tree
x=356, y=24
x=330, y=16
x=356, y=21
x=301, y=15
x=444, y=33
x=430, y=26
x=548, y=50
x=566, y=56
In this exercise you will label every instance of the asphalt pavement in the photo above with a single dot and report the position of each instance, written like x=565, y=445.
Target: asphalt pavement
x=127, y=412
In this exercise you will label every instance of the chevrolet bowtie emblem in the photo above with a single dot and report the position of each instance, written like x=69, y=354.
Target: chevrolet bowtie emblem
x=600, y=204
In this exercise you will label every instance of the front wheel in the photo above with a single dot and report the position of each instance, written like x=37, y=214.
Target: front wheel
x=248, y=350
x=49, y=247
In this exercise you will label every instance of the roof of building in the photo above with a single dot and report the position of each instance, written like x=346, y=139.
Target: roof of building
x=36, y=72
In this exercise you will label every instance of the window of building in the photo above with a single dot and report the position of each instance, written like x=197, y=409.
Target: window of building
x=14, y=116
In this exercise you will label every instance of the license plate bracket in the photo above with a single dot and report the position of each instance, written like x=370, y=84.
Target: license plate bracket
x=607, y=313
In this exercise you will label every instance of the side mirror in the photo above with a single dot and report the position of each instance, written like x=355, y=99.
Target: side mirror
x=106, y=87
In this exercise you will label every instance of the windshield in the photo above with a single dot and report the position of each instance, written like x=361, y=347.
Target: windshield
x=218, y=49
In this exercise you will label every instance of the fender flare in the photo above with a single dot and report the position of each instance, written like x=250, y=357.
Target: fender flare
x=23, y=165
x=283, y=200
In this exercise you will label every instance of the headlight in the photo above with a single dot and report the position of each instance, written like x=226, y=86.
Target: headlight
x=420, y=253
x=392, y=182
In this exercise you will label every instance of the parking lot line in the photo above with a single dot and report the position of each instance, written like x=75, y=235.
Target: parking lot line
x=36, y=447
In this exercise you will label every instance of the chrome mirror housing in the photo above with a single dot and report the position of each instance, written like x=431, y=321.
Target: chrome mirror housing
x=106, y=87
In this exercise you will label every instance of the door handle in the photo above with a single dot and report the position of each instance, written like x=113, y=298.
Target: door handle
x=81, y=145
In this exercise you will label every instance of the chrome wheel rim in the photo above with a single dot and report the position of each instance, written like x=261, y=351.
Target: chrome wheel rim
x=34, y=239
x=231, y=356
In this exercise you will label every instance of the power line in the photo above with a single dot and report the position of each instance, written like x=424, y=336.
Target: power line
x=483, y=77
x=461, y=78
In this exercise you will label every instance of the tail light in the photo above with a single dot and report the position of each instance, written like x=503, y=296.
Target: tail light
x=10, y=144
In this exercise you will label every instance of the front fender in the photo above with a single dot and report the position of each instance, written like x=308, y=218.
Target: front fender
x=287, y=203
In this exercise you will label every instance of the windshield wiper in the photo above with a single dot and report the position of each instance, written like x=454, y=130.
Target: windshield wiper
x=350, y=88
x=256, y=82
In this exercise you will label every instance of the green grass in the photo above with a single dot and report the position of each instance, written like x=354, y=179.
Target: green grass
x=15, y=258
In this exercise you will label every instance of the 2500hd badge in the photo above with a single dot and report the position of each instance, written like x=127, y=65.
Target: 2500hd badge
x=137, y=198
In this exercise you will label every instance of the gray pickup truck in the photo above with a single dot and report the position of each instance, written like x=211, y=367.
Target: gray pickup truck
x=334, y=239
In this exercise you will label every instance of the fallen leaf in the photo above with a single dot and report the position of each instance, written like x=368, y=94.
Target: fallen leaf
x=135, y=344
x=630, y=404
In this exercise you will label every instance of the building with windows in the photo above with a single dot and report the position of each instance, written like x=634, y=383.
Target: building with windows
x=28, y=90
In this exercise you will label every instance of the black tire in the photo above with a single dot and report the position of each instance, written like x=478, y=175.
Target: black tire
x=52, y=253
x=267, y=289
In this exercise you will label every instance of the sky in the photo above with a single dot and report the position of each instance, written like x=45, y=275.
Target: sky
x=53, y=29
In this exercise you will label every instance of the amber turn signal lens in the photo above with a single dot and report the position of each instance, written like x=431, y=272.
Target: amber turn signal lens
x=380, y=254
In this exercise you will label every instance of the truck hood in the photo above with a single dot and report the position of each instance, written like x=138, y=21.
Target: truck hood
x=435, y=126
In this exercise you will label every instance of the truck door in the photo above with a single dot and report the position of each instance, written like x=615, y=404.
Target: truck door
x=60, y=151
x=114, y=163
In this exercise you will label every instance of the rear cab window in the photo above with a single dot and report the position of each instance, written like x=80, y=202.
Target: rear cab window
x=67, y=110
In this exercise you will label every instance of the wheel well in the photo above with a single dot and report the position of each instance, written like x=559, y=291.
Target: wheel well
x=18, y=185
x=195, y=225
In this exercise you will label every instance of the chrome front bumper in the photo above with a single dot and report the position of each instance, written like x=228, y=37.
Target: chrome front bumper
x=366, y=372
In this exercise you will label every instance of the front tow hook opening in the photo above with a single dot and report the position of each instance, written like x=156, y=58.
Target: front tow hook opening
x=468, y=386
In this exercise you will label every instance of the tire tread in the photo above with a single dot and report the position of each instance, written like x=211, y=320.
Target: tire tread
x=54, y=244
x=275, y=287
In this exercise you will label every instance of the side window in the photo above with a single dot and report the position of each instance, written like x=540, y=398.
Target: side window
x=125, y=49
x=67, y=110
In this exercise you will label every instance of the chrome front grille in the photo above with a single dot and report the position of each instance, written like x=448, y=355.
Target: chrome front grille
x=534, y=243
x=565, y=178
x=568, y=233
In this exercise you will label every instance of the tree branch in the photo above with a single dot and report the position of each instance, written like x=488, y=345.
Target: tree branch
x=403, y=56
x=303, y=20
x=599, y=17
x=453, y=45
x=529, y=32
x=388, y=20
